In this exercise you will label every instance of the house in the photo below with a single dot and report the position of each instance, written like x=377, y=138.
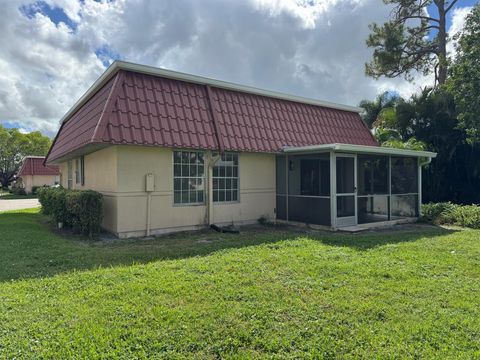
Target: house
x=34, y=173
x=172, y=151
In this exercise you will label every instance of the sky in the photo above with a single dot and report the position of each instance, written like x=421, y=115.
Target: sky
x=52, y=51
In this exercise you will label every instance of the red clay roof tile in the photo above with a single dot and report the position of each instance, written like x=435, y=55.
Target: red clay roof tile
x=33, y=165
x=153, y=110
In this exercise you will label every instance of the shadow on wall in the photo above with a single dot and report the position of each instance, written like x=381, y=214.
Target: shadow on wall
x=29, y=248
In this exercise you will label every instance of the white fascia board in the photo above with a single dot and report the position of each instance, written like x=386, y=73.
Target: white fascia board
x=150, y=70
x=360, y=149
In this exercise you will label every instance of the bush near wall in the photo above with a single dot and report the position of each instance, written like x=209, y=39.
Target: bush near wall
x=80, y=210
x=449, y=213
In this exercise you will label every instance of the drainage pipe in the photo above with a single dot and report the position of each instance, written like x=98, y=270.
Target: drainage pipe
x=212, y=160
x=149, y=206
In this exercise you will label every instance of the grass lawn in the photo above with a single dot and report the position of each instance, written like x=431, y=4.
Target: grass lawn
x=269, y=293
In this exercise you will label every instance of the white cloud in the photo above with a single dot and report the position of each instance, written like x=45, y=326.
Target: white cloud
x=458, y=21
x=310, y=48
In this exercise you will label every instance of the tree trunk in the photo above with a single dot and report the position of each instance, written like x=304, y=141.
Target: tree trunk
x=442, y=43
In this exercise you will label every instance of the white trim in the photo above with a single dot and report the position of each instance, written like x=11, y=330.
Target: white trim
x=155, y=71
x=359, y=149
x=333, y=188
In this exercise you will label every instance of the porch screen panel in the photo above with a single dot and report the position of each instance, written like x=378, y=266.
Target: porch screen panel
x=373, y=188
x=309, y=210
x=404, y=206
x=404, y=201
x=404, y=175
x=309, y=189
x=281, y=188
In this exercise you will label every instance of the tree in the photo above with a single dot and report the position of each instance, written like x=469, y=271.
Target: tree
x=464, y=81
x=14, y=146
x=428, y=121
x=411, y=41
x=372, y=109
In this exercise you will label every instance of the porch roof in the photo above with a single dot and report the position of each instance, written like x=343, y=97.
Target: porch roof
x=358, y=149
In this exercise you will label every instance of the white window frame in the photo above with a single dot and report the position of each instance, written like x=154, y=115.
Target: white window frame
x=182, y=179
x=223, y=176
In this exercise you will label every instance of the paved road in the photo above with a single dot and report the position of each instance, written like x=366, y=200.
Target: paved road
x=18, y=204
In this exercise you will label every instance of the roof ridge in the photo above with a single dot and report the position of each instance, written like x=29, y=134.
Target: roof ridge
x=107, y=109
x=216, y=125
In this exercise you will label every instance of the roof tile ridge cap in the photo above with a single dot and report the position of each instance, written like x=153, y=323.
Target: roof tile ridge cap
x=211, y=104
x=105, y=114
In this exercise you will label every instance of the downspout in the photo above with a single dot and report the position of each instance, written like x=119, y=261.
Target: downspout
x=149, y=202
x=211, y=163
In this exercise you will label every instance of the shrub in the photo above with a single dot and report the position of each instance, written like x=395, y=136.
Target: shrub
x=468, y=216
x=35, y=189
x=80, y=210
x=449, y=213
x=439, y=213
x=85, y=208
x=58, y=210
x=18, y=191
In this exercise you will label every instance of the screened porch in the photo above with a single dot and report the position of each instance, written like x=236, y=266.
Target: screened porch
x=347, y=185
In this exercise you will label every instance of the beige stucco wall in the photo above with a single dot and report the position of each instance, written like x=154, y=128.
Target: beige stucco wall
x=100, y=175
x=257, y=192
x=29, y=181
x=119, y=173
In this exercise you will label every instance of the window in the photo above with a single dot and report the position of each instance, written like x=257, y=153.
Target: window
x=188, y=177
x=225, y=178
x=314, y=177
x=69, y=174
x=77, y=171
x=82, y=170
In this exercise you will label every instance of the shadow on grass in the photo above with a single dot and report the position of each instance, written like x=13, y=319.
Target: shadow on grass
x=375, y=238
x=29, y=248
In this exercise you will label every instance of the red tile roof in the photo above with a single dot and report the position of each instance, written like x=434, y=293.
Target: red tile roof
x=146, y=109
x=33, y=165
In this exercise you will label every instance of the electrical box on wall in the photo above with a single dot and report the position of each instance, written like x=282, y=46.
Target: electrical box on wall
x=149, y=182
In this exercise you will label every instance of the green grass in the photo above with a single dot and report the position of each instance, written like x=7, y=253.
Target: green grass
x=267, y=293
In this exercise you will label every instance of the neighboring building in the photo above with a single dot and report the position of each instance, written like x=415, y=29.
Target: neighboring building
x=34, y=173
x=171, y=151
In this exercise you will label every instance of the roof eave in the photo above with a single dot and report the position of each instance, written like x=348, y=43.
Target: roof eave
x=363, y=149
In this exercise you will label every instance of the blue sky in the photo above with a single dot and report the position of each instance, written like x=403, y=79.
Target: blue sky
x=51, y=51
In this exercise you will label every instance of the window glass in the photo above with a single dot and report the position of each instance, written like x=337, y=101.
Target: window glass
x=69, y=174
x=225, y=178
x=314, y=177
x=404, y=175
x=77, y=171
x=82, y=170
x=188, y=177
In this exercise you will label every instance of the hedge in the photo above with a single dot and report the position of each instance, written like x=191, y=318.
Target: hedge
x=449, y=213
x=80, y=210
